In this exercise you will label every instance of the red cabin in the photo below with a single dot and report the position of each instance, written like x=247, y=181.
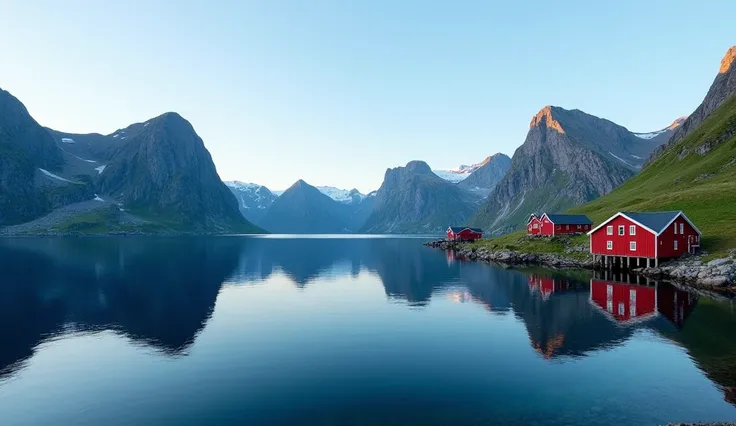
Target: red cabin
x=655, y=235
x=557, y=224
x=459, y=233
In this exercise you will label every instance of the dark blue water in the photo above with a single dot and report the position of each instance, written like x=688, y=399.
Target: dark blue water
x=316, y=331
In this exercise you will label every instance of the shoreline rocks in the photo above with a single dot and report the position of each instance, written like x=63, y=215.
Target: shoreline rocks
x=718, y=275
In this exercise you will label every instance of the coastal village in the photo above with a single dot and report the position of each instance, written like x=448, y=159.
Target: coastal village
x=662, y=245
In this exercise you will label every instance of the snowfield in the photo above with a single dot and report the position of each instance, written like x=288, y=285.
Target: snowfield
x=53, y=176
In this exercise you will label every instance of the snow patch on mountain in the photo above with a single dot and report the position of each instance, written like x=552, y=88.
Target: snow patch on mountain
x=461, y=172
x=67, y=140
x=53, y=176
x=341, y=195
x=651, y=135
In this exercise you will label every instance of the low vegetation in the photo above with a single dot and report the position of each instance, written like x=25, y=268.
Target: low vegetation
x=574, y=246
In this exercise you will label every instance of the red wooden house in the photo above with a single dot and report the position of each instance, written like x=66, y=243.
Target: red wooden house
x=463, y=233
x=557, y=224
x=654, y=235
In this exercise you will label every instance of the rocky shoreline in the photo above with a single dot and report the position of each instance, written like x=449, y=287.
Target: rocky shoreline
x=717, y=275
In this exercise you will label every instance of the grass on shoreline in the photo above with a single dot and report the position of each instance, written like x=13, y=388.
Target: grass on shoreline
x=519, y=241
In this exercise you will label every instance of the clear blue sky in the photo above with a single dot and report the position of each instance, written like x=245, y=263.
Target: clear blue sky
x=335, y=92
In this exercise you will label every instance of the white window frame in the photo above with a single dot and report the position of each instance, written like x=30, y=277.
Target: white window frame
x=567, y=227
x=578, y=226
x=675, y=245
x=621, y=230
x=632, y=245
x=675, y=225
x=609, y=230
x=609, y=245
x=682, y=228
x=632, y=229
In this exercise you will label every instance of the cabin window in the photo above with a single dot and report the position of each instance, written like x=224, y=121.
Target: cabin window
x=621, y=308
x=535, y=226
x=682, y=228
x=609, y=230
x=609, y=245
x=578, y=226
x=632, y=245
x=675, y=225
x=632, y=229
x=558, y=227
x=621, y=230
x=675, y=244
x=567, y=227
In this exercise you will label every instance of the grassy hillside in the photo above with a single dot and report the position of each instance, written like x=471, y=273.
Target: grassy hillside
x=697, y=176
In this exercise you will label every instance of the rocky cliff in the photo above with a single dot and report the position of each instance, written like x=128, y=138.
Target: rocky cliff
x=569, y=157
x=487, y=176
x=413, y=199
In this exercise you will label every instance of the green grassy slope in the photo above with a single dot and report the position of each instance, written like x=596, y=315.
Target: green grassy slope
x=697, y=176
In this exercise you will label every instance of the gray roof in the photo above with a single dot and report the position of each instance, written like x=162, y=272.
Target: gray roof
x=656, y=221
x=570, y=219
x=457, y=229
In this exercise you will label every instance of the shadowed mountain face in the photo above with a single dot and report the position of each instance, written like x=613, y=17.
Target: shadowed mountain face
x=569, y=157
x=158, y=172
x=487, y=176
x=413, y=199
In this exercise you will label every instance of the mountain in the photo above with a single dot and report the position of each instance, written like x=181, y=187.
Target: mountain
x=484, y=178
x=152, y=177
x=413, y=199
x=723, y=86
x=663, y=135
x=29, y=167
x=253, y=199
x=304, y=209
x=695, y=173
x=569, y=157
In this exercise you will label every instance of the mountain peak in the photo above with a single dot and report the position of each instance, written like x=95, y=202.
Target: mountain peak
x=677, y=123
x=418, y=166
x=545, y=115
x=727, y=60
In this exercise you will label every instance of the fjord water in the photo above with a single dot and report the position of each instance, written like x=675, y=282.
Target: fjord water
x=260, y=331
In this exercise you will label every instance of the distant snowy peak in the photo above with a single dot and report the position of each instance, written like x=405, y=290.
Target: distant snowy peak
x=243, y=186
x=345, y=196
x=648, y=136
x=461, y=172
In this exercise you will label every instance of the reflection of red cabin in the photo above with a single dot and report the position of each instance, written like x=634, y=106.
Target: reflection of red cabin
x=625, y=303
x=653, y=235
x=675, y=304
x=546, y=285
x=459, y=233
x=557, y=224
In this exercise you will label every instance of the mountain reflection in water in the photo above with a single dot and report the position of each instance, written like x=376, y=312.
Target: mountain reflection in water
x=161, y=292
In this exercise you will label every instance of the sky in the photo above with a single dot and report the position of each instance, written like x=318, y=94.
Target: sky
x=335, y=92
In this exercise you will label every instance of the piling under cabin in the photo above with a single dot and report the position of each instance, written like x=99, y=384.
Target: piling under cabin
x=638, y=238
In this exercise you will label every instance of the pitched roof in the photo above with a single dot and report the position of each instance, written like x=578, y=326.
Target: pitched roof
x=457, y=229
x=570, y=219
x=656, y=221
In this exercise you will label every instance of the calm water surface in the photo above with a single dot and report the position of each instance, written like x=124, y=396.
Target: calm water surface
x=306, y=331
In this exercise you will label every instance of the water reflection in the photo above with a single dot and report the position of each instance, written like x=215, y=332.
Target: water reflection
x=161, y=293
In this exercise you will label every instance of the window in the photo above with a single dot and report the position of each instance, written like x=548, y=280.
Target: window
x=567, y=227
x=558, y=227
x=632, y=229
x=682, y=228
x=621, y=308
x=621, y=230
x=609, y=245
x=675, y=225
x=578, y=226
x=632, y=245
x=535, y=226
x=609, y=230
x=675, y=244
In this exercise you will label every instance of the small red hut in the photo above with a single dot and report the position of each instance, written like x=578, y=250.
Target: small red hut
x=557, y=224
x=651, y=235
x=463, y=233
